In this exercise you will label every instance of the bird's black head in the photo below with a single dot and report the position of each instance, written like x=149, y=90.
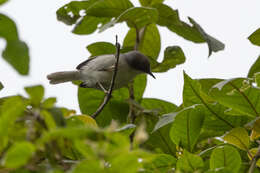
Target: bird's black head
x=139, y=62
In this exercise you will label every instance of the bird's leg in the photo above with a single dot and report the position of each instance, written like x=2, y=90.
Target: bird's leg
x=101, y=86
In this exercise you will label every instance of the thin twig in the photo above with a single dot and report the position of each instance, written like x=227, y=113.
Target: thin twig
x=109, y=94
x=254, y=160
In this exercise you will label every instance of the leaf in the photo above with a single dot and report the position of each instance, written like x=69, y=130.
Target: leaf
x=257, y=78
x=19, y=154
x=101, y=48
x=150, y=44
x=1, y=86
x=139, y=86
x=238, y=95
x=49, y=102
x=225, y=157
x=253, y=152
x=84, y=120
x=167, y=16
x=48, y=119
x=213, y=44
x=150, y=2
x=16, y=54
x=254, y=68
x=3, y=1
x=127, y=129
x=88, y=166
x=70, y=12
x=58, y=117
x=189, y=162
x=238, y=137
x=173, y=55
x=88, y=25
x=159, y=140
x=161, y=163
x=109, y=8
x=8, y=28
x=90, y=99
x=36, y=94
x=136, y=17
x=255, y=133
x=186, y=127
x=255, y=37
x=165, y=120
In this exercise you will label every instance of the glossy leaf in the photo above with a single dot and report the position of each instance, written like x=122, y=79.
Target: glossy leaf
x=101, y=48
x=238, y=95
x=36, y=94
x=88, y=25
x=255, y=133
x=109, y=8
x=213, y=44
x=189, y=162
x=150, y=44
x=173, y=56
x=165, y=120
x=238, y=137
x=255, y=37
x=127, y=129
x=19, y=154
x=225, y=157
x=254, y=68
x=136, y=17
x=186, y=127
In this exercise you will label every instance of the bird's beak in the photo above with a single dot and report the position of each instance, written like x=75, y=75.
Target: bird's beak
x=151, y=74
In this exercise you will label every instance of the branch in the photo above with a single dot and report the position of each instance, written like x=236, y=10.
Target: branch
x=109, y=94
x=254, y=160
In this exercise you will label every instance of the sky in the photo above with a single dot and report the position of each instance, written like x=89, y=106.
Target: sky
x=54, y=48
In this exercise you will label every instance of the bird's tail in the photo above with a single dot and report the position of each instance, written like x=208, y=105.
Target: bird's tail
x=63, y=76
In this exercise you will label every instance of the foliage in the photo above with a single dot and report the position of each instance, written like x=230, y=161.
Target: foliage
x=215, y=129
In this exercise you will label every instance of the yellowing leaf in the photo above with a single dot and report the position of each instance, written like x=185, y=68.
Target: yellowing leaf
x=253, y=152
x=88, y=120
x=238, y=137
x=256, y=130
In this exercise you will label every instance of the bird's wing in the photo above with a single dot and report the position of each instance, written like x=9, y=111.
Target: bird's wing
x=105, y=63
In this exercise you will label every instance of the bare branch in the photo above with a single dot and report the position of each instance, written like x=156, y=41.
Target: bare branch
x=109, y=94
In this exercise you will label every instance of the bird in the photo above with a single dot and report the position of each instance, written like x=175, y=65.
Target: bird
x=96, y=72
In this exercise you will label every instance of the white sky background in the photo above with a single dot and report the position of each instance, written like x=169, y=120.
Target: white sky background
x=54, y=48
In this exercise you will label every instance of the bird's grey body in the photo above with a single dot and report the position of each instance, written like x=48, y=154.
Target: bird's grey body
x=97, y=72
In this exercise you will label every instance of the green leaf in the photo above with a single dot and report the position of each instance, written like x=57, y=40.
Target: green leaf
x=161, y=163
x=150, y=2
x=16, y=54
x=238, y=95
x=83, y=120
x=90, y=99
x=139, y=86
x=254, y=68
x=36, y=94
x=3, y=1
x=189, y=162
x=48, y=119
x=136, y=17
x=159, y=140
x=88, y=25
x=19, y=154
x=70, y=12
x=225, y=157
x=8, y=28
x=186, y=127
x=257, y=79
x=150, y=44
x=1, y=86
x=255, y=37
x=127, y=129
x=58, y=117
x=49, y=102
x=88, y=166
x=167, y=16
x=213, y=44
x=193, y=93
x=165, y=120
x=109, y=8
x=238, y=137
x=101, y=48
x=173, y=55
